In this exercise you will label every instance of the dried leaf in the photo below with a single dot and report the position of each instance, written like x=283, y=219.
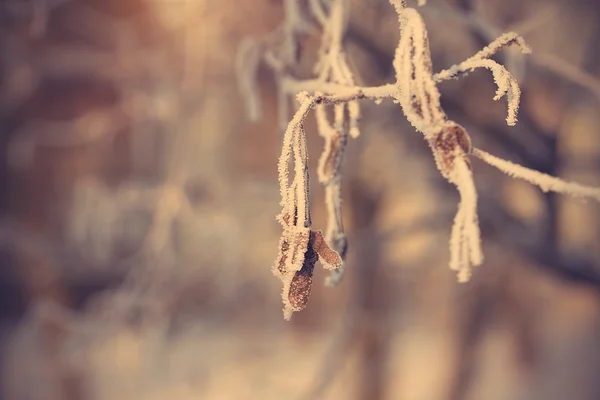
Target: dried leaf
x=329, y=258
x=301, y=284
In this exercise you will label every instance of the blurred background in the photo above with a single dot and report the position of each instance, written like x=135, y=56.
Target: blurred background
x=138, y=204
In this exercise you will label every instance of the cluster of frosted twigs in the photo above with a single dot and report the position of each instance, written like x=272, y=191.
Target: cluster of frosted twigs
x=415, y=90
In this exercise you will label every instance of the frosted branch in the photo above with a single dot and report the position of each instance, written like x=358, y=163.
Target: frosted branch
x=545, y=182
x=507, y=84
x=465, y=239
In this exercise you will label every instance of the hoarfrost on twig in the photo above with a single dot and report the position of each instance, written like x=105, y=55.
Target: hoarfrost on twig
x=507, y=84
x=465, y=242
x=545, y=182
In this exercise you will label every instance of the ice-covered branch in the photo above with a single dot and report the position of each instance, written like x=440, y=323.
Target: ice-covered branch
x=545, y=182
x=507, y=84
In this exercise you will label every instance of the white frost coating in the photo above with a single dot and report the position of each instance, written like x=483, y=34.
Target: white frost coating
x=332, y=68
x=465, y=239
x=301, y=176
x=288, y=138
x=339, y=111
x=544, y=181
x=416, y=90
x=420, y=100
x=507, y=84
x=354, y=116
x=501, y=42
x=324, y=129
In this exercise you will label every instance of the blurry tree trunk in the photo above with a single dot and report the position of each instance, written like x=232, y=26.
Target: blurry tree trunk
x=371, y=291
x=500, y=299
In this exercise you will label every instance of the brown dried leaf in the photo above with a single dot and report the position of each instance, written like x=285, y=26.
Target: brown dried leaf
x=301, y=284
x=330, y=259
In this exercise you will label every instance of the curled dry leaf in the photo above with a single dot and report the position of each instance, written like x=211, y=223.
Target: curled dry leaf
x=299, y=251
x=329, y=258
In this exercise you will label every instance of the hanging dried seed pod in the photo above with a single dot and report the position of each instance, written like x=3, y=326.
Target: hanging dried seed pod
x=296, y=273
x=331, y=159
x=451, y=142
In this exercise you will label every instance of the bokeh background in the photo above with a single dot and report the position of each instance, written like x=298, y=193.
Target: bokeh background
x=138, y=204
